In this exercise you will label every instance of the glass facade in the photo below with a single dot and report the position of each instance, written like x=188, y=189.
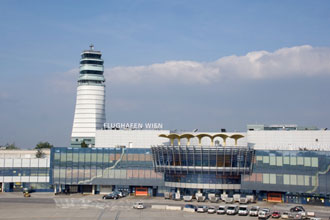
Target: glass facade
x=203, y=178
x=24, y=171
x=298, y=173
x=104, y=166
x=233, y=160
x=290, y=171
x=216, y=166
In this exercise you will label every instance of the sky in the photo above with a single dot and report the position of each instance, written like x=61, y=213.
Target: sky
x=187, y=64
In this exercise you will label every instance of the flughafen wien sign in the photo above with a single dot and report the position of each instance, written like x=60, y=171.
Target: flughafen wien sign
x=135, y=125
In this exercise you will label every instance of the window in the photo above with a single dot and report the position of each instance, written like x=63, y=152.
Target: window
x=293, y=179
x=315, y=162
x=266, y=159
x=279, y=161
x=91, y=62
x=300, y=180
x=286, y=179
x=91, y=55
x=307, y=180
x=272, y=178
x=293, y=161
x=91, y=72
x=300, y=160
x=265, y=178
x=307, y=161
x=272, y=160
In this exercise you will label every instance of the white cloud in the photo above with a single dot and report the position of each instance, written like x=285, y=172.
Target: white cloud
x=64, y=82
x=286, y=62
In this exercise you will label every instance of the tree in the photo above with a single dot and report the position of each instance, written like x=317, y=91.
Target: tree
x=43, y=145
x=40, y=153
x=83, y=144
x=11, y=147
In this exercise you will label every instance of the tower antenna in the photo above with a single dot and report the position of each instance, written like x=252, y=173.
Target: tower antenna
x=91, y=46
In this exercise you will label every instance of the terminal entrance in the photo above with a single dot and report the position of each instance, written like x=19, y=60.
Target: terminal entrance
x=141, y=191
x=17, y=187
x=274, y=197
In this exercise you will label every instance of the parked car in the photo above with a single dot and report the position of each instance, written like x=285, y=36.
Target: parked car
x=232, y=210
x=264, y=213
x=243, y=210
x=112, y=195
x=285, y=215
x=202, y=209
x=254, y=211
x=221, y=210
x=298, y=210
x=211, y=210
x=189, y=208
x=276, y=214
x=138, y=205
x=123, y=193
x=296, y=215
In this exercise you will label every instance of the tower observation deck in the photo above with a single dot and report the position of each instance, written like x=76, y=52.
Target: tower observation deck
x=90, y=103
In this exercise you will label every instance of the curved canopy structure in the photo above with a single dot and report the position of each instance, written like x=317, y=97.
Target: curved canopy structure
x=200, y=136
x=236, y=137
x=188, y=136
x=224, y=137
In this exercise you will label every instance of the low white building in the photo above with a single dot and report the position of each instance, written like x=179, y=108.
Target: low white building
x=130, y=138
x=283, y=137
x=22, y=169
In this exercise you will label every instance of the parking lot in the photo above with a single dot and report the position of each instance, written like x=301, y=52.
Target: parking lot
x=48, y=206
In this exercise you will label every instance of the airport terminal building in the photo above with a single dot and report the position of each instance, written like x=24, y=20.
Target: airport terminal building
x=277, y=163
x=294, y=169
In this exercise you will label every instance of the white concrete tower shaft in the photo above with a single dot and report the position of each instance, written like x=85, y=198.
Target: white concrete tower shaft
x=90, y=103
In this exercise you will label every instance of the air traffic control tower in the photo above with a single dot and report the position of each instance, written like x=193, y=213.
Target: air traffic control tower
x=90, y=103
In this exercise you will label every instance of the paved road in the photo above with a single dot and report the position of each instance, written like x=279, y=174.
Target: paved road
x=28, y=200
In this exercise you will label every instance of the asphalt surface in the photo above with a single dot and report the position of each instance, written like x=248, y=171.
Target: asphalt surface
x=28, y=200
x=71, y=207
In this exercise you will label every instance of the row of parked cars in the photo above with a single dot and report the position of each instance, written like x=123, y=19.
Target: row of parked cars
x=212, y=197
x=297, y=212
x=116, y=195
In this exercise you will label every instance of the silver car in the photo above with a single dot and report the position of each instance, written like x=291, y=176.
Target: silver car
x=232, y=210
x=211, y=210
x=221, y=210
x=202, y=209
x=138, y=205
x=264, y=213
